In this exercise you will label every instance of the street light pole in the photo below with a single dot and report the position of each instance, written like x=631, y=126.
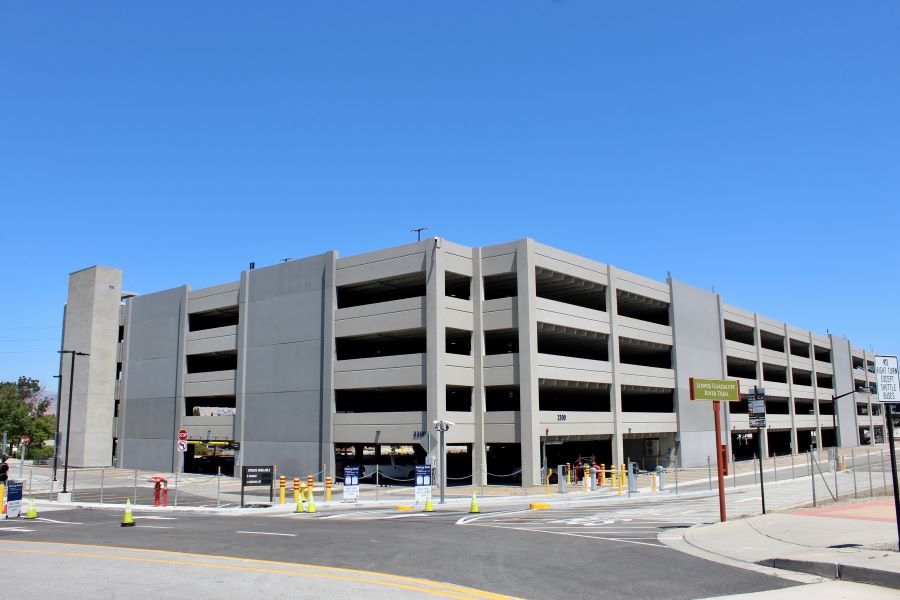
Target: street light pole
x=69, y=413
x=442, y=427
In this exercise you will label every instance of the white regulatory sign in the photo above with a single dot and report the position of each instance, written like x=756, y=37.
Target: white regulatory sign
x=182, y=446
x=887, y=379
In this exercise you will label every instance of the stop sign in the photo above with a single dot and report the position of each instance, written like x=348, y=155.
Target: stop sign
x=182, y=434
x=25, y=440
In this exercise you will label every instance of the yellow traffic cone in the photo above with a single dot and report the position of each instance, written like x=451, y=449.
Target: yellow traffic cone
x=32, y=511
x=474, y=507
x=428, y=506
x=311, y=508
x=127, y=519
x=300, y=508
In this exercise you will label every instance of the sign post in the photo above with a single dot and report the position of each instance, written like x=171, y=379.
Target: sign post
x=717, y=390
x=756, y=410
x=888, y=381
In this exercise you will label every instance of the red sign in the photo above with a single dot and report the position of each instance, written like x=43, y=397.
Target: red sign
x=25, y=440
x=182, y=434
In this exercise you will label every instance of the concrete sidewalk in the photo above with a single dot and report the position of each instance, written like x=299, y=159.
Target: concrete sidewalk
x=855, y=541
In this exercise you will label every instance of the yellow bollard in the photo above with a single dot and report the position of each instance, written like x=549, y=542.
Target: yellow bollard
x=568, y=474
x=296, y=490
x=622, y=479
x=549, y=473
x=328, y=488
x=587, y=477
x=602, y=474
x=653, y=482
x=281, y=489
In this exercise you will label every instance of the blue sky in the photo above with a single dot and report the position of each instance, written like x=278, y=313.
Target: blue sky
x=750, y=146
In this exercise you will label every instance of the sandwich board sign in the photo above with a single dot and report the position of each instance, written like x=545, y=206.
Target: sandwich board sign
x=423, y=483
x=351, y=483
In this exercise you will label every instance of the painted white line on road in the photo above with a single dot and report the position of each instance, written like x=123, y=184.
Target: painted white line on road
x=155, y=526
x=746, y=500
x=268, y=533
x=415, y=514
x=19, y=529
x=55, y=521
x=145, y=517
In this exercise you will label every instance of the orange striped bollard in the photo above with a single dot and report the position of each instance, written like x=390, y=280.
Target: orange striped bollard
x=602, y=475
x=296, y=490
x=328, y=488
x=309, y=486
x=281, y=488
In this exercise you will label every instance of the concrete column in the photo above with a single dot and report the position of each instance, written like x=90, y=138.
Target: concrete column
x=615, y=390
x=815, y=386
x=479, y=455
x=760, y=382
x=436, y=343
x=726, y=413
x=92, y=326
x=528, y=376
x=181, y=370
x=240, y=384
x=326, y=426
x=790, y=382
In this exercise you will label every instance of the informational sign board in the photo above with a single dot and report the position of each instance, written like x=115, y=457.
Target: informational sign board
x=14, y=498
x=723, y=390
x=887, y=379
x=756, y=407
x=756, y=410
x=181, y=445
x=423, y=483
x=258, y=476
x=351, y=483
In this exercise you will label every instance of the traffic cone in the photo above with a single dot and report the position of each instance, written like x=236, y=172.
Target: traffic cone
x=428, y=506
x=32, y=511
x=127, y=519
x=474, y=507
x=311, y=507
x=300, y=508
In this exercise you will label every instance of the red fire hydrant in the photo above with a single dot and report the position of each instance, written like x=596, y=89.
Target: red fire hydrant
x=160, y=490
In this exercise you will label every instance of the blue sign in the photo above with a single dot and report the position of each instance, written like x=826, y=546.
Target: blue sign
x=14, y=498
x=351, y=475
x=423, y=475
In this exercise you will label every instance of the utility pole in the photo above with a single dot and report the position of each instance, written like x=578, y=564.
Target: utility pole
x=442, y=427
x=69, y=413
x=418, y=231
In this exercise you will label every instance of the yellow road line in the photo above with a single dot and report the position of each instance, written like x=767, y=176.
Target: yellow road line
x=464, y=592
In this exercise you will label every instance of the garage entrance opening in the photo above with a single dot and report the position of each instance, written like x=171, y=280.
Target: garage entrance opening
x=504, y=464
x=207, y=458
x=573, y=449
x=779, y=442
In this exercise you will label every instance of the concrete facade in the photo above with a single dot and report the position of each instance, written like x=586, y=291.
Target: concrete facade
x=328, y=360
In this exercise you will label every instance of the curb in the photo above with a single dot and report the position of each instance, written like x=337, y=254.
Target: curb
x=837, y=571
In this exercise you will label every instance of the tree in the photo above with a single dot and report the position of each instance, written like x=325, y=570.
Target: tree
x=23, y=409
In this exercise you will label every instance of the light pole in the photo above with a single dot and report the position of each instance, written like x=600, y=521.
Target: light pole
x=69, y=413
x=441, y=427
x=834, y=417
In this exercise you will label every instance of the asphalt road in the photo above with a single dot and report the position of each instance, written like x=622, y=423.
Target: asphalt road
x=578, y=552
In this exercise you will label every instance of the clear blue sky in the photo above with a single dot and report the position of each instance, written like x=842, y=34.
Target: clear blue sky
x=753, y=146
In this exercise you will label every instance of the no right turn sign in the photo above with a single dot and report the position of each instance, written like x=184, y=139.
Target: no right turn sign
x=887, y=379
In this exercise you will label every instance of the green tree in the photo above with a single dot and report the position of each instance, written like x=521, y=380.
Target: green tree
x=23, y=410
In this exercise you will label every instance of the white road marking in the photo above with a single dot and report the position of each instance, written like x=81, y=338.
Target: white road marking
x=55, y=521
x=146, y=517
x=155, y=526
x=415, y=514
x=268, y=533
x=746, y=500
x=21, y=529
